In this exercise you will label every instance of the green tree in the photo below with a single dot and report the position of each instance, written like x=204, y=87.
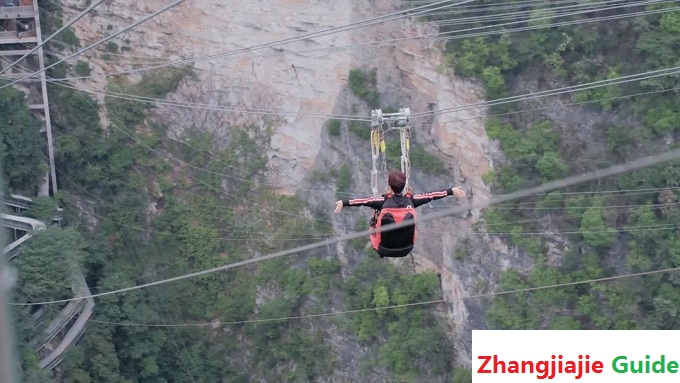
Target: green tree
x=43, y=208
x=48, y=262
x=381, y=298
x=550, y=166
x=593, y=228
x=21, y=142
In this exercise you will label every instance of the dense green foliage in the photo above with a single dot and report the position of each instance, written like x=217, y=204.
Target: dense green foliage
x=364, y=86
x=538, y=152
x=414, y=337
x=334, y=127
x=20, y=142
x=46, y=269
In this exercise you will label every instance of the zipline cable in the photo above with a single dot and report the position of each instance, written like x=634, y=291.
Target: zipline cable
x=562, y=183
x=518, y=98
x=345, y=312
x=441, y=36
x=389, y=42
x=325, y=32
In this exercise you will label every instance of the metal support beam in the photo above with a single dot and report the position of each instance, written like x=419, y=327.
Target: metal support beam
x=43, y=81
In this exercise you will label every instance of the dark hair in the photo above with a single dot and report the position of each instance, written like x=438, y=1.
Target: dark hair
x=396, y=180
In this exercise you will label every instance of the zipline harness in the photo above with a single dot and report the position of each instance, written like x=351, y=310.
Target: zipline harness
x=382, y=123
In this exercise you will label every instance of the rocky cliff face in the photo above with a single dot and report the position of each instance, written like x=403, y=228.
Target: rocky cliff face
x=307, y=79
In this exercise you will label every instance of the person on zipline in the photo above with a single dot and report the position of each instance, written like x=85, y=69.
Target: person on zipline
x=395, y=207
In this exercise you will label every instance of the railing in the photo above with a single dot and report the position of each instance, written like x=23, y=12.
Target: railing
x=80, y=289
x=12, y=250
x=16, y=200
x=21, y=223
x=63, y=318
x=24, y=203
x=16, y=12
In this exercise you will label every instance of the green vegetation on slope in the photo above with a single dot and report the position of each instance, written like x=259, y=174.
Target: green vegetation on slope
x=537, y=152
x=414, y=337
x=364, y=86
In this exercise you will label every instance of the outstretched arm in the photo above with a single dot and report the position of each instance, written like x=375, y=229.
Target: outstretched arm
x=372, y=202
x=422, y=199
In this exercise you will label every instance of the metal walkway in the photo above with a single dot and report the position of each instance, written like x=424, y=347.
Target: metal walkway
x=80, y=310
x=21, y=25
x=20, y=22
x=22, y=224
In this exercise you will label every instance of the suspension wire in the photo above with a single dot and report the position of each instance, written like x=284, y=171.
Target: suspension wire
x=529, y=96
x=389, y=42
x=463, y=9
x=562, y=106
x=502, y=207
x=345, y=312
x=558, y=184
x=212, y=172
x=325, y=32
x=552, y=25
x=149, y=17
x=210, y=107
x=479, y=105
x=441, y=36
x=555, y=92
x=498, y=207
x=527, y=13
x=483, y=104
x=613, y=209
x=625, y=96
x=631, y=229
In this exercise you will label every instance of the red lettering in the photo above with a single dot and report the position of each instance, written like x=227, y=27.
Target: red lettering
x=497, y=363
x=545, y=369
x=597, y=367
x=486, y=360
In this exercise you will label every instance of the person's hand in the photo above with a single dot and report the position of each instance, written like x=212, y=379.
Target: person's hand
x=458, y=192
x=338, y=206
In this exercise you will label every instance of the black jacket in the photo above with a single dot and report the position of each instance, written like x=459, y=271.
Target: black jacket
x=397, y=200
